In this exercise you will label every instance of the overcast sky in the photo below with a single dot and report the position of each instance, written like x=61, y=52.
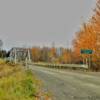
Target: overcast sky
x=41, y=22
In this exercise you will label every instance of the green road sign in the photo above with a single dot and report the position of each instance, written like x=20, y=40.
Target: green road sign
x=86, y=51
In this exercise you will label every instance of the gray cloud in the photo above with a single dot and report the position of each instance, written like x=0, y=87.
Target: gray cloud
x=40, y=22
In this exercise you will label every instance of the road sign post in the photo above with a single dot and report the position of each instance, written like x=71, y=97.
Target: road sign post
x=88, y=52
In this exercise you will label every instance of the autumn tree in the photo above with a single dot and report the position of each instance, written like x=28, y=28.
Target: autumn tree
x=35, y=53
x=66, y=56
x=52, y=54
x=44, y=55
x=85, y=39
x=96, y=23
x=89, y=37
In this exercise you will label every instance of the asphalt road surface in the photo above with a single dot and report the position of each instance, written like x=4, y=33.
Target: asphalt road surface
x=69, y=85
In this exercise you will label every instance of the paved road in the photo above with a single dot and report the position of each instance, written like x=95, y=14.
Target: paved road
x=69, y=85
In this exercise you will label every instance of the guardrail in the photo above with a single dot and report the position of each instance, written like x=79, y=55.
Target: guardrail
x=63, y=66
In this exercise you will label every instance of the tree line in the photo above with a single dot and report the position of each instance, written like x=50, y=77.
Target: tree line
x=53, y=55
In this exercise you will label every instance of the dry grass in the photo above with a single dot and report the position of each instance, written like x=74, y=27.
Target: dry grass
x=17, y=84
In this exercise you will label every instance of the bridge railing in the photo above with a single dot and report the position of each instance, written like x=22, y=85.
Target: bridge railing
x=63, y=66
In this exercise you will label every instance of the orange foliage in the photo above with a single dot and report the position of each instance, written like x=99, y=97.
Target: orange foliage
x=35, y=53
x=86, y=39
x=52, y=53
x=89, y=36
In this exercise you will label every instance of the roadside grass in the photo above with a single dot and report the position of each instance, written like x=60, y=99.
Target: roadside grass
x=17, y=83
x=2, y=61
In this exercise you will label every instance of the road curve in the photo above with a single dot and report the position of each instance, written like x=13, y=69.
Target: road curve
x=69, y=85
